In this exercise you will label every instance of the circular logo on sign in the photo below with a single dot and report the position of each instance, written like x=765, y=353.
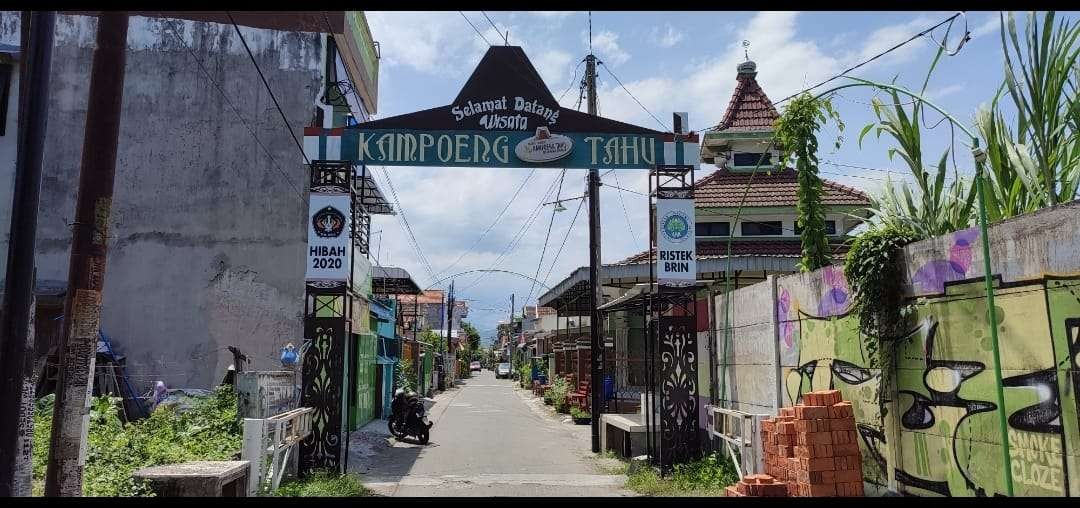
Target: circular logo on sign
x=544, y=147
x=676, y=226
x=328, y=222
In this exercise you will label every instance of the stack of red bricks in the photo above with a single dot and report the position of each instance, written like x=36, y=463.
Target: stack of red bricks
x=757, y=485
x=813, y=447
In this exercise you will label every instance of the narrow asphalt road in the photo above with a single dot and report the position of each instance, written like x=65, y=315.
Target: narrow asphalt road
x=489, y=439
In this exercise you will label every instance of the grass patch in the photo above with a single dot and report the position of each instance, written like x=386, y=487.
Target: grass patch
x=208, y=430
x=324, y=484
x=705, y=477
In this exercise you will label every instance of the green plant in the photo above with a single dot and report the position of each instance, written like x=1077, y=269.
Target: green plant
x=559, y=389
x=578, y=413
x=208, y=430
x=549, y=397
x=324, y=484
x=875, y=277
x=705, y=477
x=796, y=134
x=1038, y=164
x=405, y=375
x=935, y=208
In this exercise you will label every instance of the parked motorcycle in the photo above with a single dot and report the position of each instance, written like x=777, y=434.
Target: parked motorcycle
x=407, y=417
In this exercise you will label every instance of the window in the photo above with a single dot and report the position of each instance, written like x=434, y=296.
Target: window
x=713, y=228
x=752, y=159
x=830, y=228
x=5, y=95
x=764, y=228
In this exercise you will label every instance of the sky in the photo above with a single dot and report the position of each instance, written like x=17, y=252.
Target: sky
x=669, y=61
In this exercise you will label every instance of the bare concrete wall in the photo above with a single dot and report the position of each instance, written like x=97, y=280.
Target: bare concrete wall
x=207, y=241
x=746, y=365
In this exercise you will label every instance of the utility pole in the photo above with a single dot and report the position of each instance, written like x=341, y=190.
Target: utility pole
x=17, y=341
x=595, y=296
x=451, y=372
x=510, y=334
x=86, y=271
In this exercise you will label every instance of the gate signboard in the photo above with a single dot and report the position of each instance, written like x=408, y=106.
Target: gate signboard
x=329, y=237
x=503, y=117
x=676, y=259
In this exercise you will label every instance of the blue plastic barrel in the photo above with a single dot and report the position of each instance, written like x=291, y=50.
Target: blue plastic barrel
x=609, y=387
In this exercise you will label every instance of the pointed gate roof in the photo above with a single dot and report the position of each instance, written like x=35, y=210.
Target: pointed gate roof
x=505, y=73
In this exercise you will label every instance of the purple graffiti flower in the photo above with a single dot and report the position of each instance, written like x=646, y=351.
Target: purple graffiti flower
x=783, y=307
x=932, y=276
x=835, y=300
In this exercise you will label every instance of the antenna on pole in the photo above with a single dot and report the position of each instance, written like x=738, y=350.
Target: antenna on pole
x=746, y=49
x=590, y=32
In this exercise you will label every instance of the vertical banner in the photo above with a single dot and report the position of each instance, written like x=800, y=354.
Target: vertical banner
x=329, y=237
x=676, y=256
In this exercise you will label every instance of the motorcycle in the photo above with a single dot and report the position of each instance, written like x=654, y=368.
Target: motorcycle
x=408, y=418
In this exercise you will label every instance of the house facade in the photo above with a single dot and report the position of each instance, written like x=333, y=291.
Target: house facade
x=207, y=241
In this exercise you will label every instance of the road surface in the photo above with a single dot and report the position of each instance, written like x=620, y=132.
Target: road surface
x=489, y=439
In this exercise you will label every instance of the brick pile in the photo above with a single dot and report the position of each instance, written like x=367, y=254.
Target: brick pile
x=813, y=448
x=757, y=485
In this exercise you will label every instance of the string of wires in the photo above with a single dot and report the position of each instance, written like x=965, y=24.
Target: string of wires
x=619, y=81
x=547, y=237
x=467, y=20
x=206, y=72
x=506, y=40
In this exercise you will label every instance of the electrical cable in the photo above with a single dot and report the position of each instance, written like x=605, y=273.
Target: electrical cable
x=547, y=237
x=565, y=237
x=572, y=81
x=637, y=244
x=474, y=28
x=517, y=237
x=403, y=220
x=498, y=217
x=871, y=59
x=619, y=81
x=235, y=110
x=505, y=39
x=268, y=89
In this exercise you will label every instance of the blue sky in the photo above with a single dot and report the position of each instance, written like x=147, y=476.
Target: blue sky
x=671, y=61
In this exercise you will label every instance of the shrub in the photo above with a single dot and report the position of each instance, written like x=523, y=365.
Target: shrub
x=324, y=484
x=578, y=413
x=209, y=430
x=705, y=477
x=559, y=389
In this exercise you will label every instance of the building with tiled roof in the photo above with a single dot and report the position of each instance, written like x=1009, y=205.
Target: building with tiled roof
x=749, y=175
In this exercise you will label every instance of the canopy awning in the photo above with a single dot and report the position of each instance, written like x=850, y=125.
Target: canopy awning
x=391, y=280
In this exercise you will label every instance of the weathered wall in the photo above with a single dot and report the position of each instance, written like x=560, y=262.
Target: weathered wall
x=746, y=358
x=936, y=433
x=207, y=239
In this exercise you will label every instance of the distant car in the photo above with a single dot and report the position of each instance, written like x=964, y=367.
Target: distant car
x=502, y=371
x=474, y=366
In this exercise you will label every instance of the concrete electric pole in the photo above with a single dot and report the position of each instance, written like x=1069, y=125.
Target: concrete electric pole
x=86, y=271
x=595, y=296
x=16, y=332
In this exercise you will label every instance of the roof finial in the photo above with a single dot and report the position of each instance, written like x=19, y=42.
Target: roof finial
x=746, y=49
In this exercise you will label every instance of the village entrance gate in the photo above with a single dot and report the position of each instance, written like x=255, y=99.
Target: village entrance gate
x=503, y=117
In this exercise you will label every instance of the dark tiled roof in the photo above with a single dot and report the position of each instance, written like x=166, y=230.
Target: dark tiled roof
x=711, y=249
x=724, y=188
x=750, y=109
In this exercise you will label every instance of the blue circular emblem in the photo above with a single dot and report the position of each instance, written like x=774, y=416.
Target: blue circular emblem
x=676, y=227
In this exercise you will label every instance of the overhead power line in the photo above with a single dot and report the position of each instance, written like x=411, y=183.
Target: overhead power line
x=467, y=20
x=872, y=58
x=273, y=97
x=626, y=214
x=619, y=81
x=498, y=217
x=547, y=237
x=235, y=110
x=563, y=244
x=506, y=40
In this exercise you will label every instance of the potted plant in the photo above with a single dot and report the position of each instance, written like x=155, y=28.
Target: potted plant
x=580, y=417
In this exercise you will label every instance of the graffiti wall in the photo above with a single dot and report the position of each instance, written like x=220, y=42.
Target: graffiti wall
x=936, y=430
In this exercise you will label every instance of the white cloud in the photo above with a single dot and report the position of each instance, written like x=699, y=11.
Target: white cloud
x=439, y=43
x=553, y=66
x=989, y=27
x=606, y=45
x=888, y=36
x=669, y=38
x=551, y=14
x=946, y=91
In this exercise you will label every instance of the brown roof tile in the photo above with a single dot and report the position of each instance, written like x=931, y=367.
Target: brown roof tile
x=750, y=109
x=724, y=188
